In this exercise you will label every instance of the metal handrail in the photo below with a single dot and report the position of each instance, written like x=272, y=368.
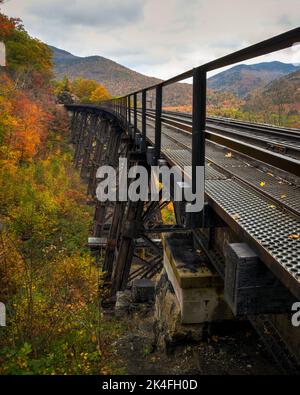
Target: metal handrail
x=124, y=107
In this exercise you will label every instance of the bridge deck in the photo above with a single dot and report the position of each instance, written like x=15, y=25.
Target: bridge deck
x=249, y=200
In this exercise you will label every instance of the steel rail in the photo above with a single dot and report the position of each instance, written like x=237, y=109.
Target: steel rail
x=235, y=121
x=226, y=171
x=256, y=127
x=274, y=159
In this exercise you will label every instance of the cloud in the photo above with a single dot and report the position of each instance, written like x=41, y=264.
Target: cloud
x=100, y=14
x=156, y=37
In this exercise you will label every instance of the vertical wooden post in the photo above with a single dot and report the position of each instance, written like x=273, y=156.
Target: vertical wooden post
x=158, y=114
x=129, y=110
x=135, y=113
x=144, y=119
x=198, y=136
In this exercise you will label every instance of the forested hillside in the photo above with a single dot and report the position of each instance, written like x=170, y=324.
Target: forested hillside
x=278, y=101
x=48, y=280
x=118, y=80
x=240, y=92
x=243, y=79
x=239, y=80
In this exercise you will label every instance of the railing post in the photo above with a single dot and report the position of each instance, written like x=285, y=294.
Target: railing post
x=158, y=113
x=135, y=113
x=198, y=136
x=144, y=118
x=129, y=111
x=124, y=104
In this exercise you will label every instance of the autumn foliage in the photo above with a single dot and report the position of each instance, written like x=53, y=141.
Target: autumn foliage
x=81, y=90
x=48, y=280
x=29, y=60
x=7, y=26
x=23, y=123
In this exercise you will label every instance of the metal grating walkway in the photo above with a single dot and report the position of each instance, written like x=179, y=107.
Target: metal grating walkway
x=267, y=226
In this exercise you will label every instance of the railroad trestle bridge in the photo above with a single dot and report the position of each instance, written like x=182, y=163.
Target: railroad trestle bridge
x=243, y=247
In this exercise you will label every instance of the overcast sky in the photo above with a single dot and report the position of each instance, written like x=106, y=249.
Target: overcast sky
x=160, y=38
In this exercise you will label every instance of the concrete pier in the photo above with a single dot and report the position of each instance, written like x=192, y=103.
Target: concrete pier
x=198, y=288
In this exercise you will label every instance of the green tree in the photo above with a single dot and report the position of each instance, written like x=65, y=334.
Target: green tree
x=29, y=60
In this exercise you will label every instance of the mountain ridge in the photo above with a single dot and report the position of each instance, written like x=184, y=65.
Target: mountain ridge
x=118, y=79
x=240, y=80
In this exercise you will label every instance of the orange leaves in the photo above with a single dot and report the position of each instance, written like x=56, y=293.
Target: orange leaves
x=294, y=237
x=23, y=123
x=7, y=26
x=28, y=131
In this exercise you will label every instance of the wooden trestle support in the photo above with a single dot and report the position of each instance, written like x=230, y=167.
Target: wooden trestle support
x=127, y=227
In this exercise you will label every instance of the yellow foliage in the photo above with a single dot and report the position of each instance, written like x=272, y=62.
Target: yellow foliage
x=100, y=94
x=88, y=91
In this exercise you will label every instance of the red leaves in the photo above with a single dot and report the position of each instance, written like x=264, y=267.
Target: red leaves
x=7, y=25
x=24, y=122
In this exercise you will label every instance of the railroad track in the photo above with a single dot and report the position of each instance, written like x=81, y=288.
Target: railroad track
x=284, y=141
x=289, y=201
x=255, y=203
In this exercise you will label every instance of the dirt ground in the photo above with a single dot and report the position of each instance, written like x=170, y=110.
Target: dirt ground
x=228, y=351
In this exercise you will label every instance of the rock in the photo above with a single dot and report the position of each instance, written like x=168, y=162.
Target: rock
x=123, y=303
x=168, y=329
